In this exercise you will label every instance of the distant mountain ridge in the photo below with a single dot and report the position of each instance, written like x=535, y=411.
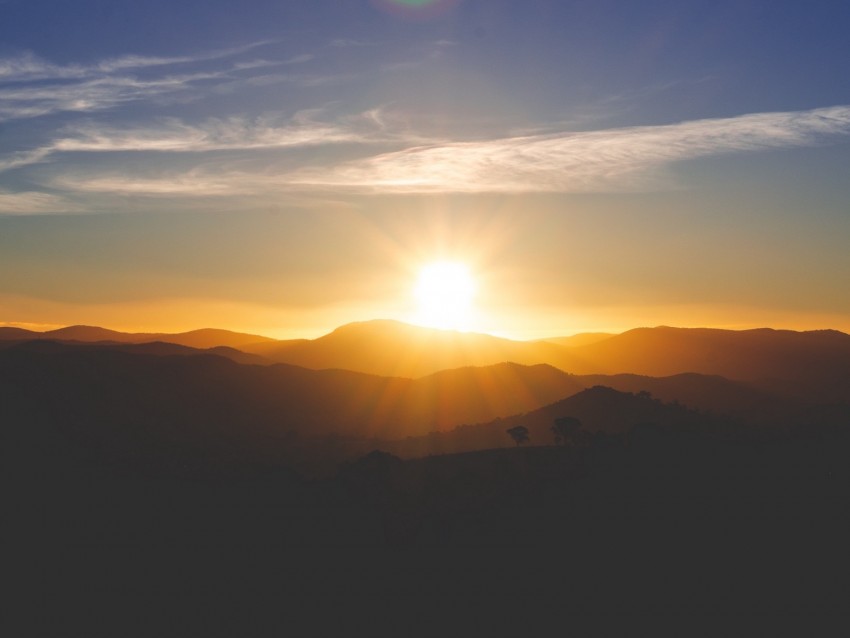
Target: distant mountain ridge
x=393, y=348
x=201, y=338
x=158, y=348
x=581, y=339
x=814, y=364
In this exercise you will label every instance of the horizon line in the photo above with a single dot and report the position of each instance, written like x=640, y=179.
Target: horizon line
x=47, y=328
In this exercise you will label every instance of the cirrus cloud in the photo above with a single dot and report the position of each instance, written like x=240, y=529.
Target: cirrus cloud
x=616, y=159
x=34, y=203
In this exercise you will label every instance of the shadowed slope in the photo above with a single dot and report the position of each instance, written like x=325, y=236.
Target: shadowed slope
x=600, y=409
x=813, y=364
x=710, y=393
x=109, y=389
x=164, y=411
x=158, y=348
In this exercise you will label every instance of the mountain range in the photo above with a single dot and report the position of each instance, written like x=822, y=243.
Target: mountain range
x=124, y=398
x=202, y=338
x=802, y=364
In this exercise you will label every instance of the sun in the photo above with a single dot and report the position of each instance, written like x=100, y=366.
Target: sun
x=445, y=292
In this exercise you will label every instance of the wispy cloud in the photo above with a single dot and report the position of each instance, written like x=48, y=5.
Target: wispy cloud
x=617, y=159
x=33, y=87
x=600, y=161
x=194, y=183
x=342, y=43
x=28, y=67
x=91, y=95
x=171, y=135
x=33, y=203
x=24, y=158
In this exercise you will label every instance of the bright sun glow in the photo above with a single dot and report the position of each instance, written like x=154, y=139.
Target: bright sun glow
x=444, y=294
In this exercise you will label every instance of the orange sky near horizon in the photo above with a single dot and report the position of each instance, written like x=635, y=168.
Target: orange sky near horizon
x=608, y=264
x=175, y=316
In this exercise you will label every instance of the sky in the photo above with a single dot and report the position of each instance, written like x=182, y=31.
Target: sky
x=285, y=167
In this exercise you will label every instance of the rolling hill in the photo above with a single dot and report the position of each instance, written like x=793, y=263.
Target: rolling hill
x=126, y=388
x=814, y=364
x=600, y=409
x=203, y=338
x=392, y=348
x=811, y=365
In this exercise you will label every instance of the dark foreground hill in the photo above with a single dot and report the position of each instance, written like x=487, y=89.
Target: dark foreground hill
x=128, y=406
x=173, y=386
x=613, y=533
x=131, y=474
x=601, y=410
x=644, y=491
x=124, y=405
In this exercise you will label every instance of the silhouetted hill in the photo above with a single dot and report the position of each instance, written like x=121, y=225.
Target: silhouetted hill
x=794, y=362
x=509, y=389
x=130, y=403
x=211, y=338
x=581, y=339
x=600, y=409
x=340, y=402
x=452, y=397
x=88, y=333
x=115, y=446
x=159, y=348
x=17, y=334
x=710, y=393
x=392, y=348
x=204, y=338
x=811, y=366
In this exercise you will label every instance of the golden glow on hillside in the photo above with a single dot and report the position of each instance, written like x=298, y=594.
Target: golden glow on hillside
x=445, y=292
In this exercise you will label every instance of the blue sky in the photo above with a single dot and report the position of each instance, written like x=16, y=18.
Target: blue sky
x=285, y=167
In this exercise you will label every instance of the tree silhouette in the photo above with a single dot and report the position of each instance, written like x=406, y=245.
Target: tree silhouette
x=566, y=428
x=519, y=434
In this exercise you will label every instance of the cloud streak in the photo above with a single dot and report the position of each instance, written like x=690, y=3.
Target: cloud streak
x=171, y=135
x=91, y=95
x=617, y=159
x=28, y=67
x=236, y=133
x=32, y=87
x=33, y=203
